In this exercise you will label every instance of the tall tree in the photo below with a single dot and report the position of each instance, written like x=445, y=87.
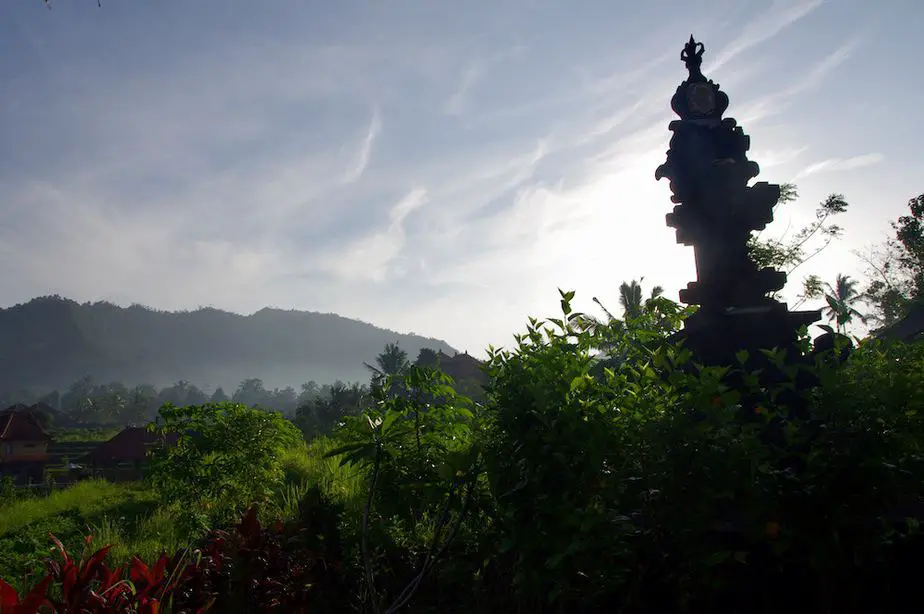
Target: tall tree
x=320, y=415
x=427, y=358
x=309, y=392
x=77, y=393
x=896, y=268
x=219, y=396
x=788, y=253
x=142, y=403
x=391, y=361
x=630, y=298
x=841, y=299
x=284, y=400
x=251, y=392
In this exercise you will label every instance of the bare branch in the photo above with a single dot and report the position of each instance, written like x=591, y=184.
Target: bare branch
x=434, y=553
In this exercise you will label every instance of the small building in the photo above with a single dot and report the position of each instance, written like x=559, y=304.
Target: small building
x=124, y=457
x=909, y=329
x=23, y=446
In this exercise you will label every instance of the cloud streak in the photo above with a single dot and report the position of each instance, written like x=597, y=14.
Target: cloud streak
x=456, y=103
x=767, y=106
x=374, y=257
x=842, y=164
x=472, y=74
x=781, y=15
x=365, y=150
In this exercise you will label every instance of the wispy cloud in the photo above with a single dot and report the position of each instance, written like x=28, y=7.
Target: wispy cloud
x=778, y=17
x=372, y=257
x=841, y=164
x=365, y=149
x=757, y=110
x=456, y=102
x=772, y=158
x=474, y=72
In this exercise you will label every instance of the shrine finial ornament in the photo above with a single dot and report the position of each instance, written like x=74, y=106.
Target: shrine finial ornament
x=698, y=98
x=692, y=56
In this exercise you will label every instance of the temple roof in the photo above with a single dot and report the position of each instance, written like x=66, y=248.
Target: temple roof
x=909, y=328
x=19, y=425
x=129, y=444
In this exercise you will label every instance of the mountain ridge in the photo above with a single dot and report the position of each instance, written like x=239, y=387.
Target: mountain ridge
x=50, y=341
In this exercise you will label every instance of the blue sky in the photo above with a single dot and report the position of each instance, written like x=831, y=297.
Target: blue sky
x=435, y=167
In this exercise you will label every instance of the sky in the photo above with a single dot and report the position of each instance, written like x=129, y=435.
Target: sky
x=440, y=168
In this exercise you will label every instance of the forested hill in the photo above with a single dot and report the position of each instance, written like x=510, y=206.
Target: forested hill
x=49, y=342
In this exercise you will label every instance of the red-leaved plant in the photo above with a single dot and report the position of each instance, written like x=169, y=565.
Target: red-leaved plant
x=91, y=586
x=251, y=569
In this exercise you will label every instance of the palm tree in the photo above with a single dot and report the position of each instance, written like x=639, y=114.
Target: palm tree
x=630, y=298
x=841, y=299
x=391, y=361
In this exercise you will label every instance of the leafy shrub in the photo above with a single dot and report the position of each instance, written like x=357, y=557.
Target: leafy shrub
x=419, y=448
x=227, y=458
x=654, y=484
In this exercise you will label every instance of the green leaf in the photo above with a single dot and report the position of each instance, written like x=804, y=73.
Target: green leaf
x=352, y=447
x=742, y=357
x=578, y=382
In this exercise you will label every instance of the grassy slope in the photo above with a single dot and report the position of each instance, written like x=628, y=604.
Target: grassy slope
x=306, y=464
x=126, y=515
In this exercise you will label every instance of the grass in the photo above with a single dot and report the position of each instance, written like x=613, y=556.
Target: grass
x=84, y=435
x=306, y=464
x=86, y=499
x=147, y=538
x=125, y=515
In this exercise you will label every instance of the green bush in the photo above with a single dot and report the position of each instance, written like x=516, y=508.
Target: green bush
x=653, y=485
x=419, y=449
x=227, y=458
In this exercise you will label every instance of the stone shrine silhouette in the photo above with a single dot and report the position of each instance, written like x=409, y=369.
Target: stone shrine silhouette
x=716, y=211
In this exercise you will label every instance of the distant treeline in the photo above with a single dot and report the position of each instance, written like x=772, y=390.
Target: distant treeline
x=314, y=407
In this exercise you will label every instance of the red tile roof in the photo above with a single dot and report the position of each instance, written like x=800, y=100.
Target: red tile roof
x=130, y=444
x=17, y=425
